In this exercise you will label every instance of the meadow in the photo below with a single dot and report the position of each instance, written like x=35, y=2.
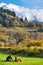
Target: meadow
x=25, y=60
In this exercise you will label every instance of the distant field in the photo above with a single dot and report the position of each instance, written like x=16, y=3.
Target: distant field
x=25, y=60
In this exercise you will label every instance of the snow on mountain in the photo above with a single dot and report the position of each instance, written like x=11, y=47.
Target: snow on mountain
x=2, y=4
x=31, y=14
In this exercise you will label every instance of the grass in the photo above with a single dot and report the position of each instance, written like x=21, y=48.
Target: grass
x=25, y=60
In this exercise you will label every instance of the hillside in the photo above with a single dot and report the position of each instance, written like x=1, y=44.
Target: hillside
x=11, y=25
x=21, y=32
x=18, y=34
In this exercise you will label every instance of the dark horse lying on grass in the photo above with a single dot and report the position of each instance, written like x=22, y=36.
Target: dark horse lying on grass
x=9, y=58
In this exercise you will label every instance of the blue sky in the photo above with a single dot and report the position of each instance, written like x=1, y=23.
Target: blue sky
x=38, y=4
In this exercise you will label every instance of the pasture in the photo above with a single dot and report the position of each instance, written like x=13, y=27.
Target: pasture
x=25, y=60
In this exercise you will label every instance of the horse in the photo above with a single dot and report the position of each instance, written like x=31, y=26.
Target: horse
x=9, y=58
x=17, y=59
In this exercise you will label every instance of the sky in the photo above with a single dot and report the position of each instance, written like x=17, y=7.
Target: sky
x=32, y=4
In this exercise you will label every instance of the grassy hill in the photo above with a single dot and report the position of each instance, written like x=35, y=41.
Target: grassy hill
x=25, y=60
x=20, y=35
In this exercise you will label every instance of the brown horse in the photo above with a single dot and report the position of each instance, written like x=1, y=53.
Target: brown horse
x=18, y=60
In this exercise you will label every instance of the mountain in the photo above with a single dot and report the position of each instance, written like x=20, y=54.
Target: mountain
x=14, y=31
x=30, y=14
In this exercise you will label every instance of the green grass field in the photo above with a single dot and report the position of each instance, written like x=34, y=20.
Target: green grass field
x=25, y=60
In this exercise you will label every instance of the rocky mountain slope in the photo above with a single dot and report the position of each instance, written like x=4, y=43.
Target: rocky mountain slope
x=30, y=14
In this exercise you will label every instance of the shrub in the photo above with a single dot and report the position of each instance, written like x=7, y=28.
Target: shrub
x=36, y=51
x=1, y=44
x=33, y=51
